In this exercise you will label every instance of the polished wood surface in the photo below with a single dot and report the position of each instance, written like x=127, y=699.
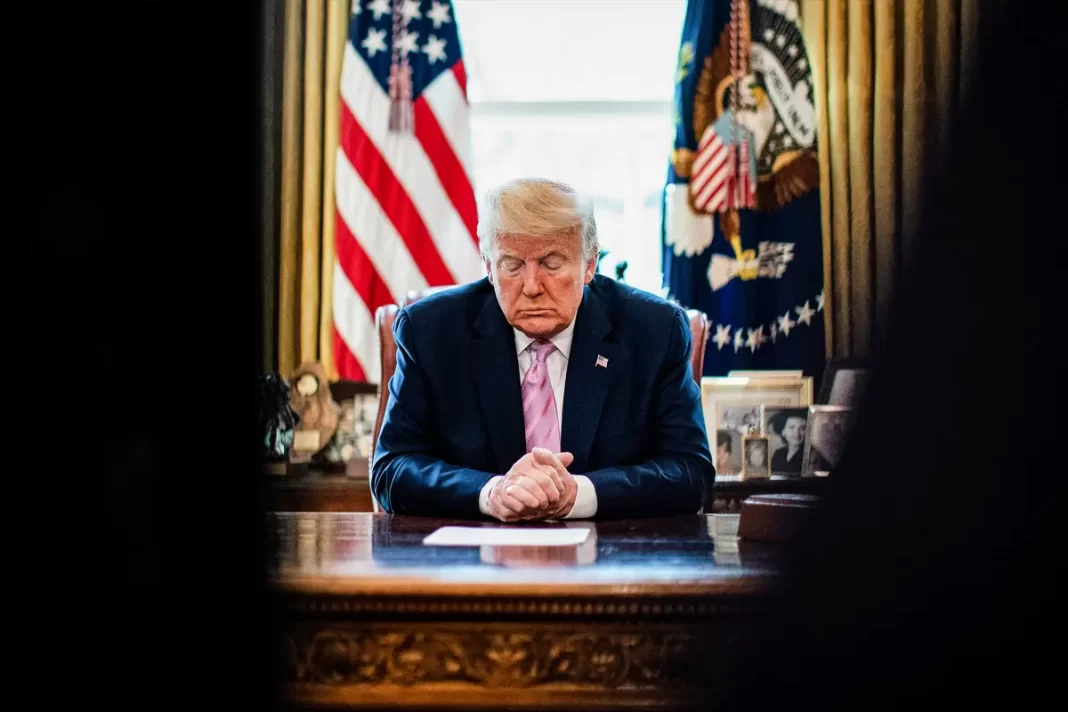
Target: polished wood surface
x=645, y=613
x=384, y=554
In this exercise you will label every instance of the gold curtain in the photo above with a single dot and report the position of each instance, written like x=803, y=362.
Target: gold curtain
x=315, y=33
x=889, y=84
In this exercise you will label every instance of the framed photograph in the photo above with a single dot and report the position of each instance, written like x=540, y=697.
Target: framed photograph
x=732, y=408
x=829, y=428
x=844, y=382
x=785, y=429
x=765, y=374
x=735, y=422
x=756, y=463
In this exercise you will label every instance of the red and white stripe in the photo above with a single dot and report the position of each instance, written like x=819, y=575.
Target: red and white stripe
x=711, y=169
x=406, y=214
x=720, y=179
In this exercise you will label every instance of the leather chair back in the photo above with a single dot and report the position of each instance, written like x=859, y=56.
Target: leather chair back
x=699, y=327
x=384, y=318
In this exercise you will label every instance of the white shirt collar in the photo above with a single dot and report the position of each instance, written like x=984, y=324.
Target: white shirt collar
x=561, y=341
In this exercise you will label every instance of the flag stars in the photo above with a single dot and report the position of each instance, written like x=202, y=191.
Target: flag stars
x=786, y=323
x=374, y=42
x=802, y=64
x=434, y=49
x=791, y=51
x=439, y=13
x=410, y=11
x=755, y=338
x=780, y=40
x=356, y=9
x=723, y=336
x=769, y=35
x=407, y=42
x=379, y=8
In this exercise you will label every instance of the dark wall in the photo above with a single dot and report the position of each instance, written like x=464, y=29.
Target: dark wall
x=930, y=577
x=134, y=247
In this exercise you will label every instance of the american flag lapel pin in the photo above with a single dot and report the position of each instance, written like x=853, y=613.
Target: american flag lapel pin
x=602, y=361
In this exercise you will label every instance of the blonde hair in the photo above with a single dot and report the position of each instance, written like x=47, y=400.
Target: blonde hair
x=536, y=206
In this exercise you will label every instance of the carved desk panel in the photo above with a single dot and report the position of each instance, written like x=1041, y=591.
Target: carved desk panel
x=645, y=613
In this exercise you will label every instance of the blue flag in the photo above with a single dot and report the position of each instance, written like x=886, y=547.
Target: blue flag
x=746, y=249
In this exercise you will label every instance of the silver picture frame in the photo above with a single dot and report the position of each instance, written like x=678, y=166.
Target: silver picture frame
x=828, y=432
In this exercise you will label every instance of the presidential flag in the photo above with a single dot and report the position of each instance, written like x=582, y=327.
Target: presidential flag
x=741, y=223
x=406, y=215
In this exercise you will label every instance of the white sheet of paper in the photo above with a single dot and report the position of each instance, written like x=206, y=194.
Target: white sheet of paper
x=511, y=536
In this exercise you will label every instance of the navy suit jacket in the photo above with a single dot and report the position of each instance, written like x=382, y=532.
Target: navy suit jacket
x=454, y=418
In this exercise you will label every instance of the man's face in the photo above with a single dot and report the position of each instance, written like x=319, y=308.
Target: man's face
x=539, y=281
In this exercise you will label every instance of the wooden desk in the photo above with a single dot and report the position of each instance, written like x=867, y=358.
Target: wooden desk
x=641, y=615
x=317, y=492
x=314, y=492
x=728, y=496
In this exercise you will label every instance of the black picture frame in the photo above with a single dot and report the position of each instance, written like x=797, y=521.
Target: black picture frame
x=830, y=373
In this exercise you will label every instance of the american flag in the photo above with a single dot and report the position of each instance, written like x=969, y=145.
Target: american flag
x=721, y=177
x=406, y=214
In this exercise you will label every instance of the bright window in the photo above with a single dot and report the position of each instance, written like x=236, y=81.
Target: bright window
x=579, y=91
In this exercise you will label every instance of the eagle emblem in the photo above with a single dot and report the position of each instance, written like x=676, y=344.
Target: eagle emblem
x=769, y=101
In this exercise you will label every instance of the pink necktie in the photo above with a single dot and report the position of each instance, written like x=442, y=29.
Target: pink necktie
x=539, y=403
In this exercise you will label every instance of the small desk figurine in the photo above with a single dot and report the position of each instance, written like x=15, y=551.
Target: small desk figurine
x=343, y=446
x=277, y=420
x=310, y=398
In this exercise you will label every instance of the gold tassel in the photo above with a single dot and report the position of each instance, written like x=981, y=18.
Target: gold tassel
x=401, y=117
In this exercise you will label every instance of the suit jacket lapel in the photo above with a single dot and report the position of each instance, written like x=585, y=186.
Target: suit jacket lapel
x=496, y=371
x=587, y=382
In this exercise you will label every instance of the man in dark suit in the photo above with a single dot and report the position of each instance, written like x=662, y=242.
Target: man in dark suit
x=477, y=422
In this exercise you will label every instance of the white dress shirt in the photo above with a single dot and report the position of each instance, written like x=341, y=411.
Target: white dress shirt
x=586, y=497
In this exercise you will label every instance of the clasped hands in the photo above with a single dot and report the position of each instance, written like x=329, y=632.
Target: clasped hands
x=538, y=486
